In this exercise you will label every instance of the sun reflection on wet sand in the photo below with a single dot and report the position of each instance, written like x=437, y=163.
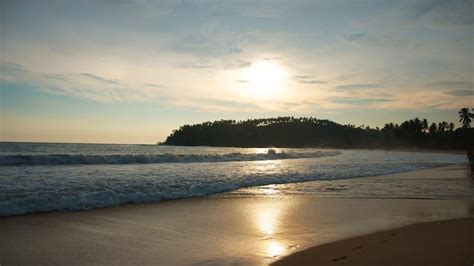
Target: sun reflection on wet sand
x=275, y=249
x=267, y=219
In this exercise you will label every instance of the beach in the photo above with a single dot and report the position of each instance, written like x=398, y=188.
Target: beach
x=448, y=242
x=240, y=228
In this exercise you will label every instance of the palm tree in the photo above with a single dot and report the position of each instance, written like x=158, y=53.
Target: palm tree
x=425, y=126
x=433, y=128
x=465, y=117
x=451, y=126
x=442, y=126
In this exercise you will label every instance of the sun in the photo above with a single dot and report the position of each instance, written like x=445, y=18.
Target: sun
x=264, y=80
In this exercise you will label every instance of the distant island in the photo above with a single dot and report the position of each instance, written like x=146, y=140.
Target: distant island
x=313, y=132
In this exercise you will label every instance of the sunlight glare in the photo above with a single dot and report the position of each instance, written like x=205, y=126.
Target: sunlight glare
x=275, y=249
x=265, y=80
x=266, y=221
x=268, y=190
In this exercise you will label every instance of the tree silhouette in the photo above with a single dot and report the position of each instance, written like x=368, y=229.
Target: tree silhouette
x=451, y=126
x=312, y=132
x=443, y=126
x=425, y=124
x=433, y=129
x=465, y=117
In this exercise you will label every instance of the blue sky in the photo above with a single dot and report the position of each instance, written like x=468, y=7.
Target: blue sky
x=132, y=71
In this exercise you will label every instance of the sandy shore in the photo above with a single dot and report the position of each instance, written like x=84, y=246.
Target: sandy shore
x=436, y=243
x=223, y=229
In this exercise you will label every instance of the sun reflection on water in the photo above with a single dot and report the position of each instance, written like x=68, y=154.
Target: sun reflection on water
x=266, y=166
x=267, y=150
x=268, y=190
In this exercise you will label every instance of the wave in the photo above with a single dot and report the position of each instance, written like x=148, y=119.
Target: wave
x=57, y=190
x=77, y=159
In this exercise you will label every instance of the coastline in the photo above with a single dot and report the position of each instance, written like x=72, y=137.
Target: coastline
x=216, y=229
x=449, y=242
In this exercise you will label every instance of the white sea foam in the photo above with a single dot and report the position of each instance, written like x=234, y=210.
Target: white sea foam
x=71, y=159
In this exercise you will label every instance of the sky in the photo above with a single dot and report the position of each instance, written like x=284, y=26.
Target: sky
x=132, y=71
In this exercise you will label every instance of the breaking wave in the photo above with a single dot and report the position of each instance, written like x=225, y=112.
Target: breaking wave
x=77, y=159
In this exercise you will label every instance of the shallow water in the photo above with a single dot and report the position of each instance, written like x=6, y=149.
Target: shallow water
x=56, y=177
x=437, y=183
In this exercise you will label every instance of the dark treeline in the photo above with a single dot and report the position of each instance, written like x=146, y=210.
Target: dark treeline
x=312, y=132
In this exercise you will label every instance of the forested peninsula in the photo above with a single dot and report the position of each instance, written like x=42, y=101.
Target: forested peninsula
x=313, y=132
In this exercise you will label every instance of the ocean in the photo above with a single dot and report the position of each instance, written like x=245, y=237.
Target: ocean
x=44, y=177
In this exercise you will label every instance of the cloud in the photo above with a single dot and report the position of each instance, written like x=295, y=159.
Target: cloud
x=304, y=79
x=214, y=105
x=82, y=85
x=460, y=92
x=208, y=44
x=10, y=72
x=224, y=63
x=197, y=65
x=10, y=67
x=421, y=8
x=453, y=84
x=273, y=58
x=153, y=85
x=56, y=77
x=236, y=64
x=381, y=40
x=312, y=81
x=227, y=103
x=100, y=79
x=356, y=36
x=364, y=38
x=360, y=101
x=357, y=86
x=300, y=106
x=444, y=13
x=95, y=88
x=426, y=99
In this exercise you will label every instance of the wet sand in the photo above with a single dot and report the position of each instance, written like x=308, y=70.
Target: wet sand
x=221, y=229
x=447, y=243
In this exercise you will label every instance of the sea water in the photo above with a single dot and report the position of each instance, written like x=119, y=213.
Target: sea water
x=41, y=177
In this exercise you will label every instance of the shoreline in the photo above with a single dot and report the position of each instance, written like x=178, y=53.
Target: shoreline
x=217, y=229
x=445, y=242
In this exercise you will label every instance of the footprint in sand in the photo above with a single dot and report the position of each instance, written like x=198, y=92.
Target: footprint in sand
x=385, y=241
x=357, y=248
x=340, y=258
